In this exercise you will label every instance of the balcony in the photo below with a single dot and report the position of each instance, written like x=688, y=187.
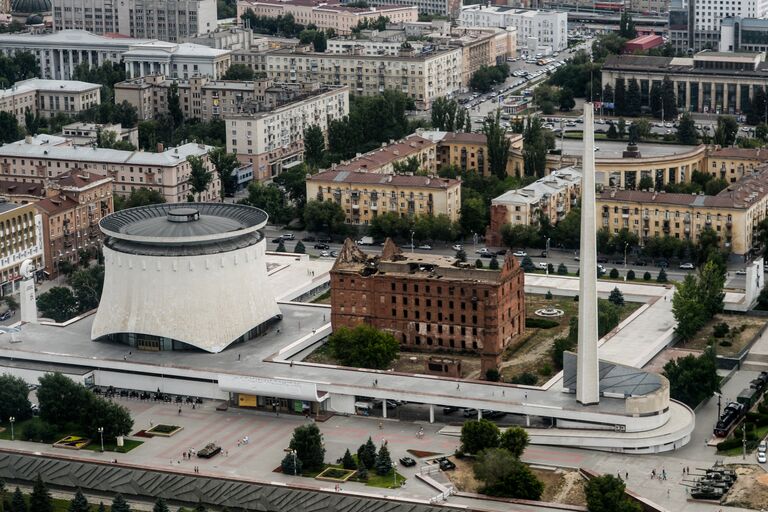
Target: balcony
x=374, y=207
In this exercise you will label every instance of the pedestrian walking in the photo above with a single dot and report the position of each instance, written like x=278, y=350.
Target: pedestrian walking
x=381, y=425
x=179, y=411
x=626, y=475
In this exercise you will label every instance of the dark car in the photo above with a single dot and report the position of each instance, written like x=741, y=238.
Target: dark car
x=334, y=254
x=450, y=410
x=469, y=413
x=640, y=263
x=662, y=263
x=501, y=252
x=407, y=462
x=445, y=464
x=277, y=240
x=322, y=247
x=602, y=260
x=487, y=255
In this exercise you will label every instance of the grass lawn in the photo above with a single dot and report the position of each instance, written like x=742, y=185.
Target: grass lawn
x=95, y=445
x=325, y=298
x=740, y=340
x=387, y=481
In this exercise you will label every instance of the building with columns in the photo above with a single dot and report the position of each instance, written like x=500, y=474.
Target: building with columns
x=168, y=20
x=714, y=82
x=175, y=60
x=59, y=53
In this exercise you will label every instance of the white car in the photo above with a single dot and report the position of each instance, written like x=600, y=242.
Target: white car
x=482, y=250
x=741, y=272
x=325, y=254
x=425, y=247
x=457, y=247
x=761, y=457
x=687, y=266
x=519, y=254
x=542, y=265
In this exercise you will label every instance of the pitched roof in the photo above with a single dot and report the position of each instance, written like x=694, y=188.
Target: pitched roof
x=79, y=179
x=17, y=187
x=54, y=205
x=385, y=155
x=372, y=178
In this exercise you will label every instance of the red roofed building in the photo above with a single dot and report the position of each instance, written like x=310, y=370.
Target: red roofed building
x=643, y=43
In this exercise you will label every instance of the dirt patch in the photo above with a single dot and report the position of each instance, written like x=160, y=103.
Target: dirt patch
x=560, y=486
x=420, y=454
x=750, y=489
x=742, y=330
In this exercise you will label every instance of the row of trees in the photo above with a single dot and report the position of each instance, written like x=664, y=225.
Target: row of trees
x=548, y=97
x=486, y=77
x=423, y=227
x=448, y=115
x=283, y=25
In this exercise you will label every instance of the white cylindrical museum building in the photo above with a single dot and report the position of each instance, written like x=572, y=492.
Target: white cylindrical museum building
x=181, y=276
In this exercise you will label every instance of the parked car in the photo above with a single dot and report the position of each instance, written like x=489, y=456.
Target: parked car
x=640, y=263
x=308, y=239
x=501, y=252
x=741, y=272
x=449, y=409
x=481, y=250
x=470, y=413
x=519, y=254
x=322, y=247
x=407, y=462
x=425, y=247
x=445, y=464
x=600, y=270
x=287, y=236
x=277, y=240
x=457, y=247
x=761, y=457
x=762, y=446
x=687, y=266
x=325, y=254
x=487, y=255
x=602, y=259
x=334, y=254
x=662, y=263
x=542, y=265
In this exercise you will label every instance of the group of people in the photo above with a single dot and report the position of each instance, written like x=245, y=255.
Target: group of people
x=245, y=440
x=662, y=475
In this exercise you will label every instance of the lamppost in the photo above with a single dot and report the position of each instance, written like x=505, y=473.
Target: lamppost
x=12, y=419
x=295, y=468
x=394, y=475
x=101, y=434
x=719, y=398
x=743, y=441
x=474, y=242
x=412, y=233
x=626, y=246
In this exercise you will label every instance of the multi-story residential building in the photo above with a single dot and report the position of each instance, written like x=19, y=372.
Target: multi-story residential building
x=86, y=134
x=176, y=60
x=743, y=35
x=384, y=159
x=423, y=76
x=47, y=98
x=732, y=164
x=707, y=82
x=167, y=20
x=543, y=29
x=364, y=195
x=430, y=302
x=695, y=24
x=206, y=99
x=733, y=214
x=327, y=14
x=76, y=201
x=449, y=8
x=21, y=238
x=271, y=135
x=550, y=197
x=467, y=151
x=225, y=38
x=34, y=160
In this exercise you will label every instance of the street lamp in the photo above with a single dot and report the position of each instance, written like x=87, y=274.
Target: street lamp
x=626, y=246
x=101, y=434
x=12, y=419
x=412, y=233
x=295, y=469
x=744, y=441
x=474, y=242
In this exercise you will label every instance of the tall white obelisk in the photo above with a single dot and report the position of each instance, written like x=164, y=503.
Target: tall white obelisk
x=587, y=375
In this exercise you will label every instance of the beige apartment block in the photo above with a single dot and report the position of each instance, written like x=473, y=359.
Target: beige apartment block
x=21, y=238
x=49, y=97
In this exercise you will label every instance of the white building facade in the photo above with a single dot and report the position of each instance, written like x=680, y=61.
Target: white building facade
x=168, y=20
x=175, y=60
x=549, y=28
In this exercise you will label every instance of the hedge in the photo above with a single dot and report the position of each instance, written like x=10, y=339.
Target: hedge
x=541, y=323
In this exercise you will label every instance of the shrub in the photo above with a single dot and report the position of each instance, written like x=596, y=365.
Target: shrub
x=348, y=462
x=299, y=249
x=383, y=461
x=291, y=465
x=541, y=323
x=562, y=270
x=39, y=431
x=662, y=277
x=720, y=330
x=494, y=264
x=614, y=274
x=477, y=435
x=616, y=297
x=545, y=370
x=647, y=276
x=525, y=378
x=725, y=343
x=478, y=263
x=492, y=374
x=548, y=295
x=366, y=454
x=550, y=268
x=631, y=275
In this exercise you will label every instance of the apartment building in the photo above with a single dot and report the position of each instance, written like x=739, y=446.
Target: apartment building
x=35, y=160
x=423, y=76
x=550, y=197
x=384, y=159
x=543, y=29
x=327, y=14
x=206, y=99
x=86, y=134
x=271, y=136
x=468, y=152
x=47, y=98
x=167, y=20
x=733, y=214
x=713, y=82
x=696, y=24
x=21, y=238
x=732, y=164
x=430, y=303
x=364, y=195
x=448, y=8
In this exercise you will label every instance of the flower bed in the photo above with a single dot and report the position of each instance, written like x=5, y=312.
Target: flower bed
x=72, y=442
x=163, y=430
x=333, y=474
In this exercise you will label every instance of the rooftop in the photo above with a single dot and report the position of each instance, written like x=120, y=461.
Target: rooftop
x=67, y=38
x=703, y=63
x=40, y=84
x=11, y=188
x=162, y=48
x=79, y=179
x=378, y=158
x=57, y=204
x=392, y=180
x=746, y=153
x=531, y=194
x=170, y=157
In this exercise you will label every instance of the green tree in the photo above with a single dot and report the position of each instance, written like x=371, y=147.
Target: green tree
x=139, y=197
x=494, y=264
x=281, y=246
x=461, y=255
x=616, y=297
x=270, y=199
x=366, y=454
x=18, y=503
x=314, y=145
x=299, y=249
x=502, y=474
x=686, y=130
x=40, y=500
x=562, y=270
x=200, y=507
x=238, y=72
x=527, y=264
x=225, y=164
x=383, y=461
x=324, y=216
x=536, y=144
x=478, y=435
x=363, y=347
x=693, y=379
x=498, y=145
x=294, y=182
x=662, y=277
x=319, y=41
x=619, y=98
x=291, y=464
x=762, y=236
x=199, y=176
x=565, y=99
x=13, y=398
x=757, y=107
x=631, y=275
x=668, y=99
x=87, y=284
x=726, y=131
x=627, y=26
x=79, y=503
x=447, y=115
x=9, y=128
x=646, y=183
x=633, y=99
x=348, y=462
x=174, y=105
x=606, y=494
x=160, y=506
x=58, y=304
x=474, y=212
x=613, y=274
x=515, y=440
x=612, y=133
x=119, y=504
x=308, y=443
